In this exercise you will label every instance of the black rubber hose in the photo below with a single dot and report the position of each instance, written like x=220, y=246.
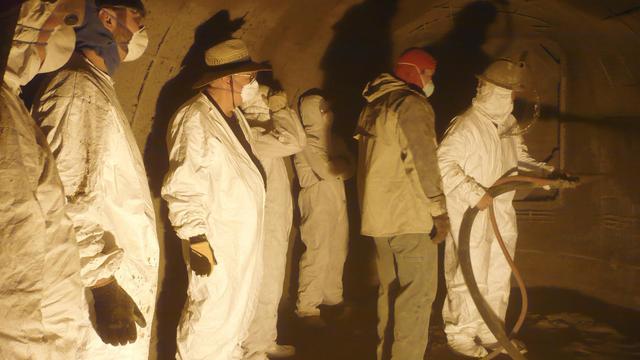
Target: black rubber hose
x=494, y=323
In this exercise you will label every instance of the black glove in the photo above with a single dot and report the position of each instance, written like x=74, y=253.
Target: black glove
x=116, y=314
x=561, y=175
x=441, y=227
x=201, y=256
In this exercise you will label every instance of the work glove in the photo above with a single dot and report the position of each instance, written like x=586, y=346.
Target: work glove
x=277, y=101
x=442, y=227
x=116, y=314
x=201, y=256
x=561, y=175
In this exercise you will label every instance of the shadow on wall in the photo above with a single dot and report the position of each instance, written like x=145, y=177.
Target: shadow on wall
x=173, y=95
x=360, y=50
x=460, y=58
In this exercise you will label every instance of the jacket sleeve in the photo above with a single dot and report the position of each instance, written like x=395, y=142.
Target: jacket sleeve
x=184, y=188
x=75, y=130
x=22, y=221
x=417, y=139
x=283, y=138
x=452, y=153
x=327, y=168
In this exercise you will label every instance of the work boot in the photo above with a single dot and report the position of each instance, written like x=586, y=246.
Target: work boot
x=517, y=343
x=466, y=346
x=277, y=351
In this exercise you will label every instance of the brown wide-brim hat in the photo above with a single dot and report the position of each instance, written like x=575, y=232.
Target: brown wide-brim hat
x=228, y=58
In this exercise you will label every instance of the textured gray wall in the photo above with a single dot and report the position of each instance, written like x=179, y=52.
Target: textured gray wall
x=586, y=56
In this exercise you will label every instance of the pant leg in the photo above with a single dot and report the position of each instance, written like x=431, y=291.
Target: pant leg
x=499, y=277
x=417, y=268
x=385, y=265
x=459, y=312
x=263, y=329
x=315, y=260
x=339, y=242
x=220, y=307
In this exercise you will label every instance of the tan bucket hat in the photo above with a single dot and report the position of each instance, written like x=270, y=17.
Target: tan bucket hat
x=227, y=58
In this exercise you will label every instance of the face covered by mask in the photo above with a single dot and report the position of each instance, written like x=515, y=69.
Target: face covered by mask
x=137, y=45
x=427, y=88
x=25, y=60
x=59, y=48
x=494, y=102
x=254, y=103
x=250, y=93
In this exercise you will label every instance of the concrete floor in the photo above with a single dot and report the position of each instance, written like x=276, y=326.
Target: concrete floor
x=561, y=325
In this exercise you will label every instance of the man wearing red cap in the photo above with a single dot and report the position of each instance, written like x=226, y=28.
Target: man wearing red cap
x=401, y=199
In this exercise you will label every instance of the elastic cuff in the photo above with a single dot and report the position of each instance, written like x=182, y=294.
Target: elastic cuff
x=103, y=282
x=475, y=196
x=187, y=232
x=307, y=313
x=438, y=205
x=100, y=266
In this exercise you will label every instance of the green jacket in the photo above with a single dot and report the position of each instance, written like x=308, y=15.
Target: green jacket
x=399, y=183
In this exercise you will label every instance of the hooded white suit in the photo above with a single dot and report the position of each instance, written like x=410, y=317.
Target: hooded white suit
x=324, y=226
x=278, y=134
x=480, y=146
x=106, y=186
x=41, y=293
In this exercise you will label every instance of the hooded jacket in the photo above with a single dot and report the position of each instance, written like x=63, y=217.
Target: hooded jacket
x=399, y=184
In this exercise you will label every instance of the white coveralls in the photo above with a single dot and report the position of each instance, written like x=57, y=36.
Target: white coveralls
x=41, y=293
x=324, y=224
x=214, y=188
x=275, y=138
x=477, y=150
x=107, y=192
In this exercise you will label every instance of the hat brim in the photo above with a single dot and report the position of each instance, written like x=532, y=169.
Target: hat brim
x=217, y=72
x=516, y=87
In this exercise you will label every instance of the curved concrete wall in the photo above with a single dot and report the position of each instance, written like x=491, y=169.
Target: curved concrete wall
x=586, y=54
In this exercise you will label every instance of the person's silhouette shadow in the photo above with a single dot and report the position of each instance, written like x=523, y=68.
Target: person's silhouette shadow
x=460, y=58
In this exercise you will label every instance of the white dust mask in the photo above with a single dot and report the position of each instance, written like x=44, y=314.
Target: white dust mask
x=59, y=48
x=429, y=88
x=250, y=92
x=137, y=45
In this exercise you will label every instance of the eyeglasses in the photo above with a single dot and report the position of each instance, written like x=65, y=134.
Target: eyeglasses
x=251, y=76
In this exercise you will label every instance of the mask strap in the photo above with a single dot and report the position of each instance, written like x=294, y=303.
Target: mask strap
x=114, y=15
x=33, y=28
x=233, y=95
x=417, y=70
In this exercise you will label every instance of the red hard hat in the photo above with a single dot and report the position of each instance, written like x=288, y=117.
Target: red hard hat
x=411, y=62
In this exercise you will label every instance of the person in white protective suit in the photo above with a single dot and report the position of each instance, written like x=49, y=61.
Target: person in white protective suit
x=215, y=190
x=41, y=292
x=480, y=146
x=105, y=182
x=322, y=167
x=277, y=133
